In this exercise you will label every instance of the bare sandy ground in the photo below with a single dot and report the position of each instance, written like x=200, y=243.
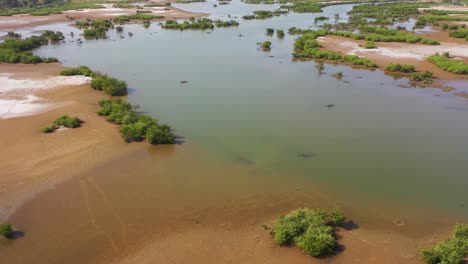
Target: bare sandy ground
x=415, y=54
x=28, y=21
x=31, y=161
x=445, y=7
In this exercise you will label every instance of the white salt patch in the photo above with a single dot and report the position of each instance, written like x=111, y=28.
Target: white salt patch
x=7, y=84
x=23, y=107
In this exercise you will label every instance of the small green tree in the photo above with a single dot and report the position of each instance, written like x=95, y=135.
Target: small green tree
x=266, y=45
x=6, y=230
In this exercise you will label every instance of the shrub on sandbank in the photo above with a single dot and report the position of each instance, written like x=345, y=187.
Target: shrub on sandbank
x=313, y=231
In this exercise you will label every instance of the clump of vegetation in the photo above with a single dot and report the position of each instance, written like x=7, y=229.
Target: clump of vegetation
x=280, y=33
x=370, y=45
x=140, y=15
x=203, y=23
x=307, y=47
x=266, y=45
x=338, y=75
x=6, y=230
x=94, y=28
x=424, y=77
x=313, y=231
x=264, y=14
x=80, y=70
x=450, y=251
x=12, y=35
x=461, y=33
x=321, y=18
x=396, y=67
x=64, y=121
x=109, y=85
x=230, y=23
x=101, y=82
x=445, y=63
x=135, y=126
x=20, y=50
x=270, y=31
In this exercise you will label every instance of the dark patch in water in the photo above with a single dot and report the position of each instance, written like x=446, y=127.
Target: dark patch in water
x=183, y=82
x=330, y=105
x=456, y=108
x=307, y=155
x=245, y=161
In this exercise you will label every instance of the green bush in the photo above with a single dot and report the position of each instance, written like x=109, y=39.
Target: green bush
x=280, y=33
x=48, y=129
x=445, y=63
x=370, y=45
x=204, y=23
x=66, y=121
x=396, y=67
x=6, y=230
x=109, y=85
x=311, y=230
x=80, y=70
x=317, y=241
x=270, y=31
x=20, y=50
x=266, y=45
x=425, y=77
x=450, y=251
x=135, y=126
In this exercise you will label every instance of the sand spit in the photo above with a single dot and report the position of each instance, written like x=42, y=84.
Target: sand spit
x=449, y=8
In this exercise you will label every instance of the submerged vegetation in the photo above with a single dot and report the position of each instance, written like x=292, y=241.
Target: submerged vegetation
x=64, y=121
x=313, y=231
x=94, y=28
x=450, y=251
x=445, y=63
x=135, y=126
x=20, y=50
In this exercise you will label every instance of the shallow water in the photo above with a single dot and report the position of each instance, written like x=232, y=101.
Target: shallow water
x=362, y=142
